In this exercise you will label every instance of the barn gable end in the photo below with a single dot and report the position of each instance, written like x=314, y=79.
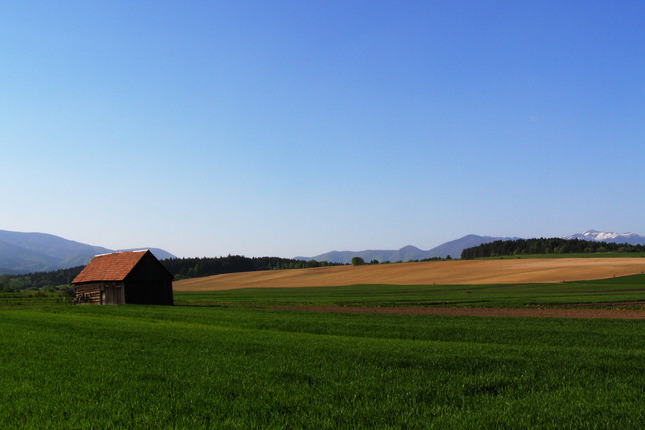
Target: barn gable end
x=135, y=277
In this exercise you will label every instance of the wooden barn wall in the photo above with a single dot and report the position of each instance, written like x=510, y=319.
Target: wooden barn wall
x=93, y=291
x=104, y=293
x=149, y=269
x=149, y=283
x=149, y=292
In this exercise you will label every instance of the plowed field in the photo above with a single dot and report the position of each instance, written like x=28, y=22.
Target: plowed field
x=454, y=272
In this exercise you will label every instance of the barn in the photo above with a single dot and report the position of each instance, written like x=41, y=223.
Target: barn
x=134, y=277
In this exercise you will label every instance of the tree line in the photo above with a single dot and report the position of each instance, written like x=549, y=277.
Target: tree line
x=197, y=267
x=359, y=261
x=181, y=268
x=51, y=280
x=547, y=246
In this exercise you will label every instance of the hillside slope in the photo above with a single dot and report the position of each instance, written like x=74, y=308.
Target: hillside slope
x=39, y=252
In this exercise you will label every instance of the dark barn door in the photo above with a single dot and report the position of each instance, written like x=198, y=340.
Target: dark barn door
x=112, y=295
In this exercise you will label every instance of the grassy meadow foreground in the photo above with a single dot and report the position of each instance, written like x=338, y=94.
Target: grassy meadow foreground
x=225, y=359
x=217, y=367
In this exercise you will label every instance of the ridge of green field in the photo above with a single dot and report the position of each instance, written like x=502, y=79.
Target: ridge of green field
x=599, y=293
x=212, y=367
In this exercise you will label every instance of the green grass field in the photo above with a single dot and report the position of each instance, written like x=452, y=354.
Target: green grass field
x=624, y=289
x=224, y=366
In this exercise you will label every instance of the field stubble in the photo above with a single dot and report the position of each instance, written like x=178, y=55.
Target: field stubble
x=456, y=272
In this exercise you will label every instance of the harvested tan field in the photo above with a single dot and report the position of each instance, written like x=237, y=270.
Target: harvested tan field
x=426, y=273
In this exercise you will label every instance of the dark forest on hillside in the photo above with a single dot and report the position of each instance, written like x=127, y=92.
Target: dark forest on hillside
x=545, y=246
x=196, y=267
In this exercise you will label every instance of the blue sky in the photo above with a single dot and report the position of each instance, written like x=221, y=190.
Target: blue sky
x=296, y=128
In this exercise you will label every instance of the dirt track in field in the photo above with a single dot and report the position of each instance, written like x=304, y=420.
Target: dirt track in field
x=454, y=272
x=482, y=312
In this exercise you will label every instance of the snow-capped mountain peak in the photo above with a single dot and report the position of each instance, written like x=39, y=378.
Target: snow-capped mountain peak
x=601, y=236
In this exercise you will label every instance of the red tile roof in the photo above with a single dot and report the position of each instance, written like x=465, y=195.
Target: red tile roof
x=109, y=267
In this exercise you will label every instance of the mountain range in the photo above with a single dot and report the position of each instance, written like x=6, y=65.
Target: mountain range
x=38, y=252
x=41, y=252
x=454, y=248
x=407, y=253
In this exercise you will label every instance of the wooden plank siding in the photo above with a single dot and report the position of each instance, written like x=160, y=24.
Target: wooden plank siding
x=149, y=283
x=102, y=293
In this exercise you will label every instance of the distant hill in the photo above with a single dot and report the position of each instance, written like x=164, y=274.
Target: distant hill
x=407, y=253
x=454, y=248
x=38, y=252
